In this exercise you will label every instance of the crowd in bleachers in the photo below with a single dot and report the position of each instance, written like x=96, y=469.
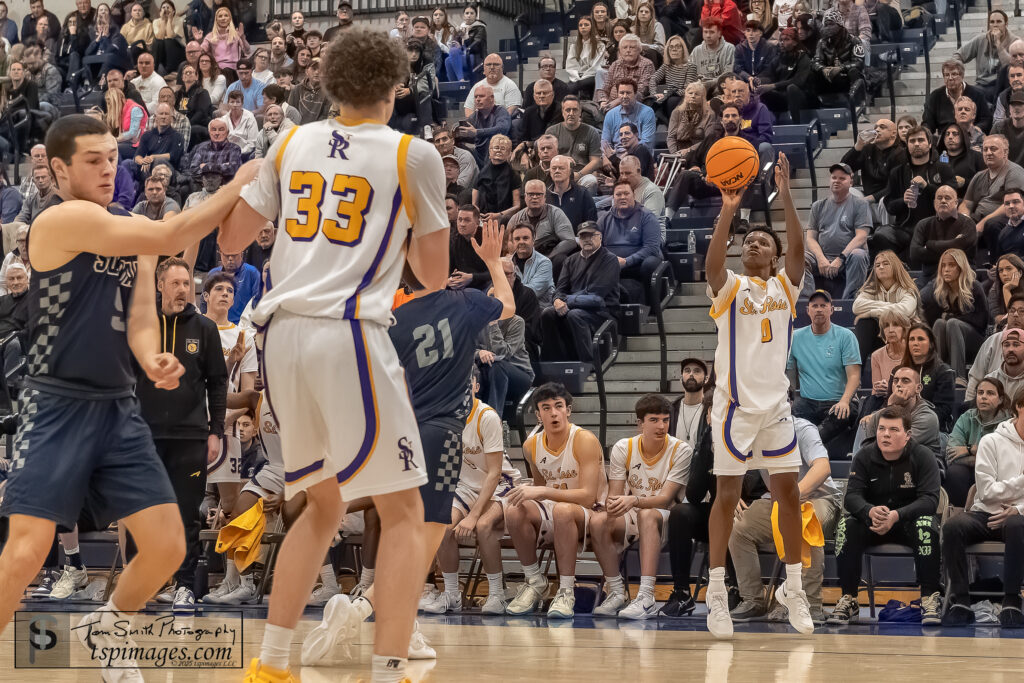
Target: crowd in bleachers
x=920, y=233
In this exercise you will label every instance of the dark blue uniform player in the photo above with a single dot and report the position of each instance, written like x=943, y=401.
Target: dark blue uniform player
x=82, y=442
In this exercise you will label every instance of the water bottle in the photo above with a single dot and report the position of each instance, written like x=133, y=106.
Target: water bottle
x=691, y=243
x=944, y=157
x=915, y=193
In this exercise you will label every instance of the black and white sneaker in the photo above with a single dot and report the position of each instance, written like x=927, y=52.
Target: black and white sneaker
x=847, y=611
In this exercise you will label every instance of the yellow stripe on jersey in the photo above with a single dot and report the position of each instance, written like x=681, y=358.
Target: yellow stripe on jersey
x=629, y=454
x=479, y=418
x=280, y=150
x=789, y=295
x=531, y=441
x=403, y=180
x=472, y=411
x=728, y=302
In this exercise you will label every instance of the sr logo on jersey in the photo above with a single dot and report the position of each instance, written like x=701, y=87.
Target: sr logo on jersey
x=406, y=454
x=192, y=346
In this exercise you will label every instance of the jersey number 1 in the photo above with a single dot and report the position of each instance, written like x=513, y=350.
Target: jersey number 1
x=355, y=197
x=766, y=331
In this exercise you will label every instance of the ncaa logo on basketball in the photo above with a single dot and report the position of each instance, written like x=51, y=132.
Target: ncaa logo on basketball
x=192, y=346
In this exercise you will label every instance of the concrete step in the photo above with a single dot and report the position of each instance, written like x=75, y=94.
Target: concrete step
x=639, y=371
x=695, y=344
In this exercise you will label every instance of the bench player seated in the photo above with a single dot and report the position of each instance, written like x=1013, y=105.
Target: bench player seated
x=567, y=463
x=647, y=474
x=485, y=477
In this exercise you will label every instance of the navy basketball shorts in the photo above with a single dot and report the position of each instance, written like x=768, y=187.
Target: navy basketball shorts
x=75, y=453
x=442, y=452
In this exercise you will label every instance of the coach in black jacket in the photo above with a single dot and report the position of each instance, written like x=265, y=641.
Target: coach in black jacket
x=187, y=422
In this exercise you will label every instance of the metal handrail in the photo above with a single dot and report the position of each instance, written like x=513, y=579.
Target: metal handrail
x=607, y=329
x=521, y=409
x=956, y=21
x=662, y=280
x=927, y=57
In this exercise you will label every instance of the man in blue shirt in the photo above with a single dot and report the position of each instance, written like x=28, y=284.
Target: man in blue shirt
x=487, y=121
x=827, y=363
x=633, y=234
x=247, y=282
x=251, y=88
x=630, y=111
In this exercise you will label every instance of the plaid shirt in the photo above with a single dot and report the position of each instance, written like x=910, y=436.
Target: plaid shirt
x=223, y=157
x=858, y=23
x=641, y=72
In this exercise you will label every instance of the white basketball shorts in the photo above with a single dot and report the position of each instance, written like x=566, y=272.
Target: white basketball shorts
x=745, y=440
x=632, y=528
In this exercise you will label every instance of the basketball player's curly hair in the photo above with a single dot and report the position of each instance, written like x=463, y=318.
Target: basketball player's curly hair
x=362, y=66
x=771, y=233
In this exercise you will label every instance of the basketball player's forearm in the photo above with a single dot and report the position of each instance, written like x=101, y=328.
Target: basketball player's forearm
x=582, y=497
x=190, y=226
x=143, y=330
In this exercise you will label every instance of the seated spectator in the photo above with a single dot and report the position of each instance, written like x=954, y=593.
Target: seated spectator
x=218, y=154
x=714, y=57
x=548, y=68
x=157, y=205
x=965, y=161
x=107, y=50
x=649, y=30
x=837, y=234
x=168, y=39
x=1009, y=271
x=690, y=120
x=911, y=520
x=690, y=183
x=42, y=181
x=250, y=88
x=783, y=85
x=646, y=193
x=485, y=123
x=527, y=308
x=444, y=142
x=13, y=312
x=632, y=233
x=938, y=106
x=547, y=149
x=467, y=268
x=887, y=289
x=206, y=252
x=856, y=21
x=756, y=120
x=1010, y=372
x=669, y=82
x=937, y=377
x=460, y=194
x=148, y=82
x=875, y=154
x=279, y=59
x=990, y=50
x=578, y=141
x=498, y=189
x=193, y=101
x=309, y=96
x=542, y=113
x=630, y=67
x=688, y=409
x=241, y=123
x=1012, y=128
x=886, y=21
x=586, y=295
x=247, y=282
x=730, y=15
x=947, y=229
x=1015, y=73
x=838, y=64
x=754, y=529
x=10, y=199
x=505, y=370
x=629, y=145
x=212, y=80
x=224, y=42
x=905, y=394
x=965, y=111
x=504, y=90
x=754, y=54
x=586, y=54
x=911, y=195
x=275, y=94
x=47, y=78
x=258, y=253
x=628, y=111
x=884, y=360
x=162, y=142
x=274, y=124
x=126, y=119
x=992, y=408
x=413, y=112
x=553, y=233
x=261, y=70
x=179, y=121
x=17, y=256
x=1005, y=233
x=954, y=305
x=574, y=201
x=827, y=367
x=532, y=267
x=138, y=28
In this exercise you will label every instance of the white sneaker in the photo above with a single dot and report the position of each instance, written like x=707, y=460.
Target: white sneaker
x=245, y=594
x=418, y=646
x=430, y=594
x=642, y=607
x=339, y=627
x=447, y=601
x=494, y=604
x=166, y=597
x=612, y=603
x=563, y=604
x=118, y=669
x=71, y=580
x=528, y=598
x=799, y=610
x=719, y=621
x=322, y=594
x=214, y=596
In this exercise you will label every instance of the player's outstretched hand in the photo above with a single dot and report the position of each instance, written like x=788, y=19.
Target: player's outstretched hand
x=492, y=237
x=164, y=370
x=732, y=198
x=782, y=173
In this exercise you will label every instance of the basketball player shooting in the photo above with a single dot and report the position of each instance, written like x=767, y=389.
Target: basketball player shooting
x=751, y=425
x=82, y=441
x=356, y=200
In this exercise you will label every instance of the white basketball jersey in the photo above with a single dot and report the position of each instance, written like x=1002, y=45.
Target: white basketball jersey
x=561, y=470
x=269, y=433
x=645, y=477
x=249, y=363
x=347, y=197
x=755, y=329
x=482, y=435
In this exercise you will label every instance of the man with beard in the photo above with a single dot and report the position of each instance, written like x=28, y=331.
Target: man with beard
x=1012, y=128
x=783, y=86
x=688, y=410
x=906, y=396
x=965, y=161
x=875, y=154
x=1005, y=234
x=947, y=229
x=258, y=252
x=1011, y=372
x=990, y=356
x=1015, y=74
x=839, y=60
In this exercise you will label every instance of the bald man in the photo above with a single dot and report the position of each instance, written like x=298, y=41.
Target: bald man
x=506, y=92
x=875, y=154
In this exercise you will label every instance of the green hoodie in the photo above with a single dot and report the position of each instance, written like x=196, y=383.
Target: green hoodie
x=968, y=431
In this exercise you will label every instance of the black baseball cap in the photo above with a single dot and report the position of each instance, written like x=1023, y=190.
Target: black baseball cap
x=695, y=361
x=845, y=168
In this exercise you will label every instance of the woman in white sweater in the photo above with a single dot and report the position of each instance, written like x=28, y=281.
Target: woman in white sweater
x=586, y=55
x=888, y=287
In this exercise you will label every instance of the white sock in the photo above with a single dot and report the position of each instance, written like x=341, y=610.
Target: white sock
x=496, y=584
x=277, y=643
x=366, y=577
x=451, y=582
x=231, y=576
x=71, y=551
x=328, y=577
x=647, y=586
x=566, y=582
x=793, y=580
x=110, y=614
x=388, y=669
x=613, y=584
x=532, y=572
x=716, y=580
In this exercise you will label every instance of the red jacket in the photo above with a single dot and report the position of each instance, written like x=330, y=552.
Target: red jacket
x=729, y=13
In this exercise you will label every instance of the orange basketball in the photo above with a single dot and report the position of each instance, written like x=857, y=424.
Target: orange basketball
x=731, y=163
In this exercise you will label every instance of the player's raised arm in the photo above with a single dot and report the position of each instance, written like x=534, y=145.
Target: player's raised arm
x=794, y=231
x=489, y=250
x=144, y=329
x=714, y=262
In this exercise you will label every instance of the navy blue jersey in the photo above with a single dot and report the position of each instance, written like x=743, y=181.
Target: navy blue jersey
x=436, y=337
x=77, y=323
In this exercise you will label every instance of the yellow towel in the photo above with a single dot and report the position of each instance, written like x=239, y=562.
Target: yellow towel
x=812, y=533
x=241, y=538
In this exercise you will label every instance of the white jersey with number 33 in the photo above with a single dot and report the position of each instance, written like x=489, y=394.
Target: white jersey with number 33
x=347, y=195
x=755, y=329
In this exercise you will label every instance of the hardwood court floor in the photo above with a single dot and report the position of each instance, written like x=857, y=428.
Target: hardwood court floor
x=471, y=648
